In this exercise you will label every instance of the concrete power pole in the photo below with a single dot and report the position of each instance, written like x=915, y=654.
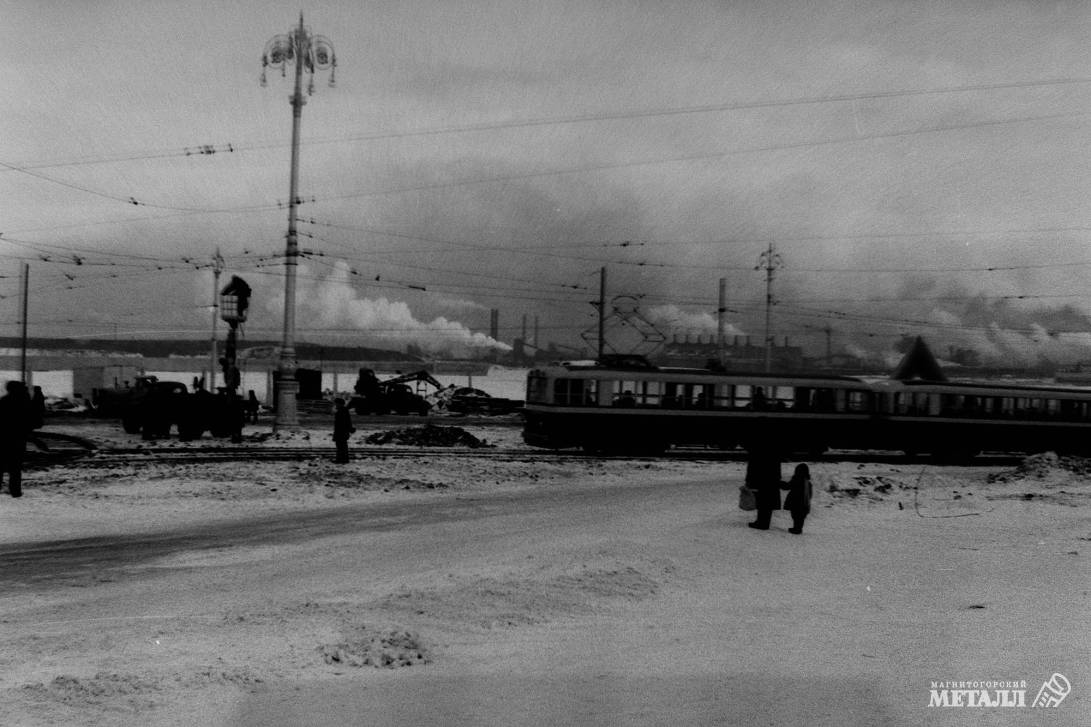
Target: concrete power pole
x=721, y=312
x=769, y=261
x=213, y=359
x=26, y=302
x=308, y=52
x=602, y=312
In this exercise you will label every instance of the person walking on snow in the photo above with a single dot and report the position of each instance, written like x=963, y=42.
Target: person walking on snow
x=342, y=428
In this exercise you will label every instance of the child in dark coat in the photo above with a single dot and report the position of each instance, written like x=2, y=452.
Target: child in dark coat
x=798, y=501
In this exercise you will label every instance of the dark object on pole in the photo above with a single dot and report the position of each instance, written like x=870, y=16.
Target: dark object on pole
x=234, y=301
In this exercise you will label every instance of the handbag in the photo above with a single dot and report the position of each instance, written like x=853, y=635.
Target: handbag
x=747, y=498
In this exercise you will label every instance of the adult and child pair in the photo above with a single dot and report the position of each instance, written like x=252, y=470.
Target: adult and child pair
x=764, y=478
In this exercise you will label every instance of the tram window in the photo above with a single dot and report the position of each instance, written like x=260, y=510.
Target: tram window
x=725, y=396
x=1051, y=407
x=625, y=393
x=759, y=400
x=802, y=399
x=856, y=401
x=782, y=397
x=673, y=395
x=570, y=391
x=824, y=400
x=650, y=392
x=916, y=404
x=742, y=397
x=702, y=396
x=537, y=387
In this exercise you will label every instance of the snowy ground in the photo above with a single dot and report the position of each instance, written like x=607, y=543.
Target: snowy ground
x=409, y=590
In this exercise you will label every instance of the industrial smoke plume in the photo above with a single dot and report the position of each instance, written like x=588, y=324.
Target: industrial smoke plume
x=332, y=303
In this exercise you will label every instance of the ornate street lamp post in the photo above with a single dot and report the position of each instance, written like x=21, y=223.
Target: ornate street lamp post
x=308, y=52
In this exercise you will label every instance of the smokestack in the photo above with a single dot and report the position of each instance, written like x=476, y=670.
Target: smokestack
x=494, y=324
x=535, y=331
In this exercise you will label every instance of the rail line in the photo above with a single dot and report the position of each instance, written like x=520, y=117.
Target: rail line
x=112, y=457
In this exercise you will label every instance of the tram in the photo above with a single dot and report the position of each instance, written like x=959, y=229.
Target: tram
x=630, y=405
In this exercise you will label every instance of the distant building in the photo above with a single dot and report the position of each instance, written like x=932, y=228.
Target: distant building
x=738, y=354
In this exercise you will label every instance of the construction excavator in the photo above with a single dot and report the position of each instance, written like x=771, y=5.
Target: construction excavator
x=392, y=395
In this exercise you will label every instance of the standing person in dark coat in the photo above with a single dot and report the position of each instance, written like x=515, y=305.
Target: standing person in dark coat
x=798, y=501
x=342, y=428
x=763, y=476
x=15, y=426
x=253, y=406
x=37, y=408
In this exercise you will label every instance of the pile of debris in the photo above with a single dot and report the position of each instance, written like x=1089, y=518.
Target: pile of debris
x=429, y=435
x=1041, y=466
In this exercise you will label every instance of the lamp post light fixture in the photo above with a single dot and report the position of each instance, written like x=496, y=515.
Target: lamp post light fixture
x=308, y=53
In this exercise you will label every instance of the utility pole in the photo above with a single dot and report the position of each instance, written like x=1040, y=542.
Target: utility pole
x=602, y=311
x=26, y=300
x=213, y=359
x=308, y=52
x=721, y=312
x=769, y=261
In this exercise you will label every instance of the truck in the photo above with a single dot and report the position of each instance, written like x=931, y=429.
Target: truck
x=392, y=395
x=151, y=407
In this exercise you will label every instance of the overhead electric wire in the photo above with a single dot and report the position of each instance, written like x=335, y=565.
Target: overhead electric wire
x=129, y=199
x=199, y=149
x=698, y=157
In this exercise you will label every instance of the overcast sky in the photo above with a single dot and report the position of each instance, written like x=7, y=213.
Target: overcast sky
x=918, y=167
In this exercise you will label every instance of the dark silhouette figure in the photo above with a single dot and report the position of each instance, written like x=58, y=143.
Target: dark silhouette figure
x=798, y=500
x=252, y=407
x=16, y=418
x=37, y=408
x=759, y=402
x=763, y=476
x=235, y=409
x=342, y=428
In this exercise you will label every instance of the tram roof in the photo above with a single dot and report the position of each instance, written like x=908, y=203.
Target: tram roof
x=817, y=378
x=591, y=365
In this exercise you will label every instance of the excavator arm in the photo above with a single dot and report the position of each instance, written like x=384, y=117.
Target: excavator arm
x=416, y=376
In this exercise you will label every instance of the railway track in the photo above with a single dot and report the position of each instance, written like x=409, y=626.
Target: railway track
x=71, y=449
